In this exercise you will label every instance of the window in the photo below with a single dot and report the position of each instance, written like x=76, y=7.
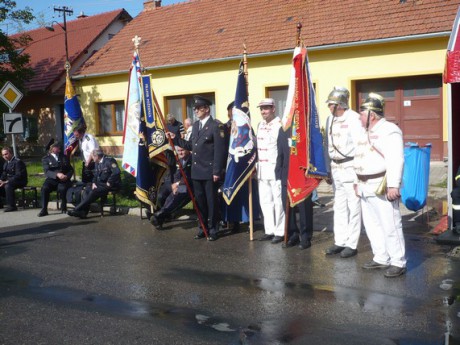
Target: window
x=279, y=94
x=182, y=106
x=110, y=117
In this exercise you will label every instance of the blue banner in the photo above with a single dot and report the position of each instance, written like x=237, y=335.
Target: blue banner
x=73, y=117
x=242, y=151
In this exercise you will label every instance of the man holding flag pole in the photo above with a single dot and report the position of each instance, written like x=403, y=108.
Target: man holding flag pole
x=306, y=166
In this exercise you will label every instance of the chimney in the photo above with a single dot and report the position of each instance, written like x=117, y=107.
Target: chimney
x=82, y=15
x=152, y=4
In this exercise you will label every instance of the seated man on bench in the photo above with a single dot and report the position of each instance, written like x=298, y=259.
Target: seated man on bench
x=14, y=176
x=176, y=196
x=106, y=178
x=58, y=172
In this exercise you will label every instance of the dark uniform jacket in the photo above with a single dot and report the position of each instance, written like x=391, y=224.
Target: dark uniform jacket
x=15, y=172
x=282, y=160
x=52, y=167
x=208, y=149
x=107, y=171
x=187, y=166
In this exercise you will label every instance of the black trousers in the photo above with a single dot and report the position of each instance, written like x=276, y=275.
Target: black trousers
x=302, y=231
x=50, y=185
x=8, y=191
x=206, y=198
x=87, y=172
x=91, y=195
x=455, y=194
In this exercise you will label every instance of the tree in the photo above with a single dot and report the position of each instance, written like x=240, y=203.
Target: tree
x=13, y=62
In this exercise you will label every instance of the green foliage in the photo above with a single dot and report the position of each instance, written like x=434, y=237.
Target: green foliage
x=13, y=62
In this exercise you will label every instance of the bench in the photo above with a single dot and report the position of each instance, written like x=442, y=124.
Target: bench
x=34, y=200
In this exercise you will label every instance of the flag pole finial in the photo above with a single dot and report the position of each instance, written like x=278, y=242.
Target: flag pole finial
x=245, y=67
x=299, y=29
x=136, y=40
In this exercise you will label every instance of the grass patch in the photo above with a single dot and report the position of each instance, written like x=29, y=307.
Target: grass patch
x=125, y=197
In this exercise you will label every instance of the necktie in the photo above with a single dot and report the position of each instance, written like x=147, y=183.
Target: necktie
x=200, y=125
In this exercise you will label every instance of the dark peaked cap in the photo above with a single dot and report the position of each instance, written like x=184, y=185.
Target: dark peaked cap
x=199, y=101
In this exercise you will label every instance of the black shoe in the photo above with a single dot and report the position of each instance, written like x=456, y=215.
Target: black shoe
x=290, y=243
x=277, y=239
x=348, y=252
x=199, y=236
x=80, y=214
x=64, y=210
x=334, y=250
x=266, y=237
x=43, y=213
x=212, y=237
x=372, y=265
x=304, y=245
x=317, y=204
x=11, y=209
x=394, y=271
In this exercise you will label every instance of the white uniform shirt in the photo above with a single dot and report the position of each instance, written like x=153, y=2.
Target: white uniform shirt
x=87, y=144
x=342, y=135
x=386, y=137
x=267, y=136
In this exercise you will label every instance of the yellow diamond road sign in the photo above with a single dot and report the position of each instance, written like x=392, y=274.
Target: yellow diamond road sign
x=10, y=95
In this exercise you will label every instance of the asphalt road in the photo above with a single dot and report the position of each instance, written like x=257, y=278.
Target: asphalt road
x=116, y=280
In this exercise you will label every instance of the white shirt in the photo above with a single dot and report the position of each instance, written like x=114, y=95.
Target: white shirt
x=342, y=135
x=267, y=136
x=87, y=144
x=384, y=137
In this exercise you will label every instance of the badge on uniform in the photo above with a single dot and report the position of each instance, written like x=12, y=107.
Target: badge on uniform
x=114, y=165
x=222, y=131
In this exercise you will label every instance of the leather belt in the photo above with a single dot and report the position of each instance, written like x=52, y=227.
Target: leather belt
x=364, y=178
x=340, y=161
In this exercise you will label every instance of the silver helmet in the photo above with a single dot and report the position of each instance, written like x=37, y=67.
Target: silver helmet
x=340, y=96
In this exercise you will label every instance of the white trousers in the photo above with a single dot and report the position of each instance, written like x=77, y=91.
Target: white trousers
x=382, y=220
x=347, y=210
x=272, y=206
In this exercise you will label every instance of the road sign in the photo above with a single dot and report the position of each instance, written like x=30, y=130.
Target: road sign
x=10, y=95
x=12, y=123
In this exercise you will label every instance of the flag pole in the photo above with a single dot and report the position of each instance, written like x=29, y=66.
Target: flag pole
x=181, y=169
x=288, y=204
x=251, y=214
x=72, y=153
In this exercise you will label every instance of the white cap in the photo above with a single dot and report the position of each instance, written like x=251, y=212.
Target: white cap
x=267, y=101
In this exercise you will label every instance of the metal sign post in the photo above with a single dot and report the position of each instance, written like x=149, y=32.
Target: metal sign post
x=11, y=96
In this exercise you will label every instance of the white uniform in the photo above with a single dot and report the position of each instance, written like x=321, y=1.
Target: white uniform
x=342, y=135
x=382, y=218
x=269, y=188
x=87, y=144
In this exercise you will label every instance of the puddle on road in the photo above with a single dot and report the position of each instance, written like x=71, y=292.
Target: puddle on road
x=279, y=331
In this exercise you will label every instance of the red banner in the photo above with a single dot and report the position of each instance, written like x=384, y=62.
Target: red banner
x=299, y=185
x=452, y=70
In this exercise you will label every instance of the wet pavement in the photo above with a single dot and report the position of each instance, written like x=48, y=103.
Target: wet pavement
x=116, y=280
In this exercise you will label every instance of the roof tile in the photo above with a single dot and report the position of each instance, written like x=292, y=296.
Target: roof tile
x=200, y=30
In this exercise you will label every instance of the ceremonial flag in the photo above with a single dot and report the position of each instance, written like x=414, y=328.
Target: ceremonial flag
x=132, y=118
x=306, y=160
x=152, y=163
x=242, y=153
x=73, y=117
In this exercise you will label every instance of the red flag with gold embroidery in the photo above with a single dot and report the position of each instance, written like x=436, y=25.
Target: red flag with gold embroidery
x=306, y=161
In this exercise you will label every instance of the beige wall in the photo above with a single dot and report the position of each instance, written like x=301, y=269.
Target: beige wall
x=328, y=68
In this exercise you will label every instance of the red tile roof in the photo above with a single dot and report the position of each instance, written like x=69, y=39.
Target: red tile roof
x=200, y=30
x=47, y=48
